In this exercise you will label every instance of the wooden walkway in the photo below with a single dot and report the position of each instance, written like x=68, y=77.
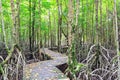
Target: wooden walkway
x=46, y=70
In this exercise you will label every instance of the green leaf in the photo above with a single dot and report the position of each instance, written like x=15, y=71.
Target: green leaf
x=1, y=69
x=79, y=66
x=46, y=5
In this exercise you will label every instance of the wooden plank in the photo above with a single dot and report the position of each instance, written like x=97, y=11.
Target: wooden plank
x=46, y=70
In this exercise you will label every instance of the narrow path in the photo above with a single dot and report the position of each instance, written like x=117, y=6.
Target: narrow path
x=46, y=70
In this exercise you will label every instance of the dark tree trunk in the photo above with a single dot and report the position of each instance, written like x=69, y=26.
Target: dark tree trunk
x=30, y=39
x=33, y=25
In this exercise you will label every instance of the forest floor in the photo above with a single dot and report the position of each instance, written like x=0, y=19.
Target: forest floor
x=106, y=58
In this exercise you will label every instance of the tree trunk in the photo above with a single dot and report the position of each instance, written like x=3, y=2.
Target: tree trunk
x=14, y=28
x=3, y=26
x=93, y=28
x=116, y=37
x=33, y=25
x=18, y=21
x=107, y=26
x=77, y=38
x=49, y=31
x=59, y=4
x=96, y=19
x=30, y=39
x=51, y=44
x=101, y=24
x=39, y=29
x=55, y=32
x=70, y=21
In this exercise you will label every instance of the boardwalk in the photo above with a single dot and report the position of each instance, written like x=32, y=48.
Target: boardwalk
x=46, y=70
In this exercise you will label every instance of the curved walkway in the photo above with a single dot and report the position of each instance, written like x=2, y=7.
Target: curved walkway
x=46, y=70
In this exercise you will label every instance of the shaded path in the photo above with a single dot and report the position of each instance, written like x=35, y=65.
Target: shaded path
x=46, y=70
